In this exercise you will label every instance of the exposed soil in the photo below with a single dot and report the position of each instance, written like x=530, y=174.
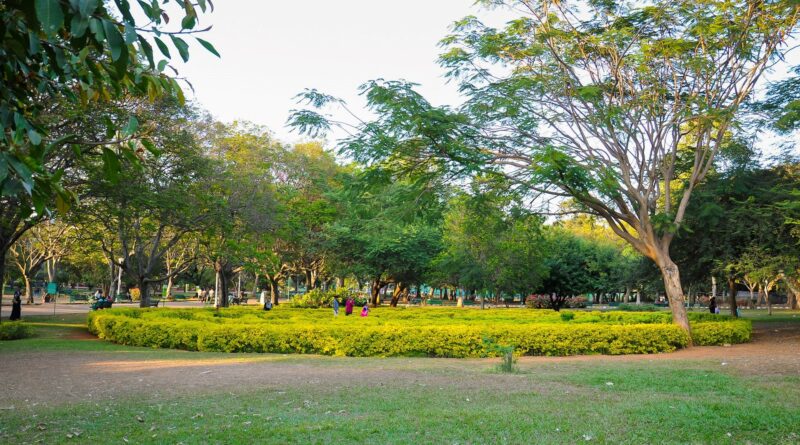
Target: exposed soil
x=58, y=377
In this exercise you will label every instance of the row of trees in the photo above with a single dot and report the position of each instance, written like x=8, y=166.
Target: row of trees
x=212, y=202
x=209, y=202
x=616, y=110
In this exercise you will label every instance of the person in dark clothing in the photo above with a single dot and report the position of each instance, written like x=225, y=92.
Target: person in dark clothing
x=16, y=306
x=712, y=305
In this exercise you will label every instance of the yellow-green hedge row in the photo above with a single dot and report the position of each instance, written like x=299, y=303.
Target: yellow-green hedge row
x=416, y=316
x=355, y=337
x=720, y=333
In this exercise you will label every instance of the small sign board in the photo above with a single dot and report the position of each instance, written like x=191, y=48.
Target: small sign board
x=52, y=288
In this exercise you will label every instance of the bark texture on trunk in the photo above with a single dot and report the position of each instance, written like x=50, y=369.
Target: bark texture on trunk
x=144, y=293
x=375, y=291
x=672, y=286
x=274, y=290
x=398, y=291
x=794, y=291
x=28, y=289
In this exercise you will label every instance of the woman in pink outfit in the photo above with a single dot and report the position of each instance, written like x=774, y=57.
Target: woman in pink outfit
x=365, y=310
x=348, y=306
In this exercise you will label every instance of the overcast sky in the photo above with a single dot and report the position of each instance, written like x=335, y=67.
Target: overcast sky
x=272, y=50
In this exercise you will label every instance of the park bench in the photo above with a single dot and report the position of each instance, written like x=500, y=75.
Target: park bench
x=153, y=303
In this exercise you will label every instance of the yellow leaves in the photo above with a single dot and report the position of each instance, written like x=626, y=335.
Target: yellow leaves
x=434, y=332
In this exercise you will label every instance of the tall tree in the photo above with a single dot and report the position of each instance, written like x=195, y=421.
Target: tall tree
x=156, y=200
x=76, y=52
x=592, y=101
x=242, y=191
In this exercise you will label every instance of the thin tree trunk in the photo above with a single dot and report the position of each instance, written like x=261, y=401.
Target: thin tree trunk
x=732, y=296
x=255, y=286
x=169, y=287
x=28, y=288
x=2, y=280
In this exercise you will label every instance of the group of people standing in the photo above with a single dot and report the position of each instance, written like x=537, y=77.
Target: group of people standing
x=206, y=295
x=348, y=307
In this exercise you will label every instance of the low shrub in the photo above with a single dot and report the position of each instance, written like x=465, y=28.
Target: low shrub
x=317, y=298
x=436, y=332
x=716, y=333
x=15, y=330
x=543, y=302
x=628, y=307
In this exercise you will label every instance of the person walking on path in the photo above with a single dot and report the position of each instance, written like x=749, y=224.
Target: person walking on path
x=335, y=307
x=16, y=306
x=348, y=306
x=365, y=310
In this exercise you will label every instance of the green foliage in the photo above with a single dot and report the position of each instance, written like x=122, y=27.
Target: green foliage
x=505, y=352
x=400, y=332
x=15, y=330
x=81, y=52
x=715, y=333
x=318, y=298
x=638, y=307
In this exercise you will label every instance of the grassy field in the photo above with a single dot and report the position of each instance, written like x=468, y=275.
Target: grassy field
x=405, y=400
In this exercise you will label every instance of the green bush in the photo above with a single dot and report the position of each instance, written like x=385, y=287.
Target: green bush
x=317, y=298
x=435, y=332
x=15, y=330
x=715, y=333
x=628, y=307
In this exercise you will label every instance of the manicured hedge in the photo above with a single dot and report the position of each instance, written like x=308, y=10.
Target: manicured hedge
x=14, y=330
x=406, y=332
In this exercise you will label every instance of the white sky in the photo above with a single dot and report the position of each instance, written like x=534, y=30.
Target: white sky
x=272, y=50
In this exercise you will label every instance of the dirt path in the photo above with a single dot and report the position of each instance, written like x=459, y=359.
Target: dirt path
x=57, y=377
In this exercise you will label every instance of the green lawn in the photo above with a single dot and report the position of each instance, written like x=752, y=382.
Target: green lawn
x=662, y=401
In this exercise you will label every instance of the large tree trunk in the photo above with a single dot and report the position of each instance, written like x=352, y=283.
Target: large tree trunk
x=398, y=290
x=224, y=274
x=732, y=296
x=672, y=286
x=375, y=292
x=274, y=290
x=144, y=293
x=794, y=291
